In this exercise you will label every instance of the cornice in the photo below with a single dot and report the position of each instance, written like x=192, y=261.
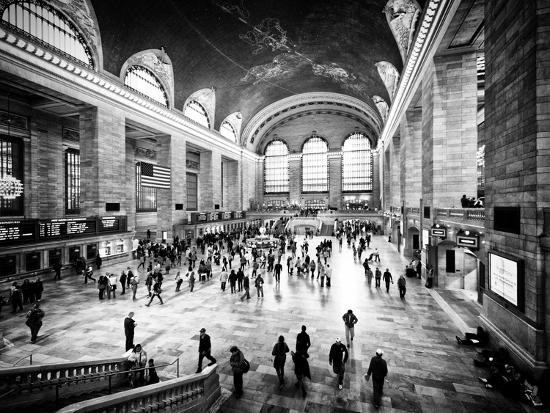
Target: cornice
x=20, y=53
x=430, y=31
x=274, y=113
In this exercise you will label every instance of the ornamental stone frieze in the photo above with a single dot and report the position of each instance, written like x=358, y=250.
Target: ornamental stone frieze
x=402, y=16
x=145, y=152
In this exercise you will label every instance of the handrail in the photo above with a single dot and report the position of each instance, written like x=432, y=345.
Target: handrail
x=23, y=358
x=200, y=389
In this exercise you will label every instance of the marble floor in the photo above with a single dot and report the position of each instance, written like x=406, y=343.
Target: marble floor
x=428, y=371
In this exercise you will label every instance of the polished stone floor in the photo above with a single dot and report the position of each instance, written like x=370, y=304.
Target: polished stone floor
x=428, y=371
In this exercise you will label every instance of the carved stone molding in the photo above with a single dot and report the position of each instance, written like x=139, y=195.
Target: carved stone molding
x=389, y=75
x=402, y=16
x=146, y=152
x=382, y=106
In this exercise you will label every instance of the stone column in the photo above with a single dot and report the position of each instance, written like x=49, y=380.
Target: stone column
x=295, y=177
x=102, y=161
x=335, y=179
x=395, y=172
x=216, y=165
x=376, y=196
x=171, y=153
x=517, y=159
x=411, y=157
x=451, y=108
x=205, y=182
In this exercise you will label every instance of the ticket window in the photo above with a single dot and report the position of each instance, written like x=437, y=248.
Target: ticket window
x=8, y=265
x=32, y=261
x=91, y=251
x=74, y=253
x=55, y=255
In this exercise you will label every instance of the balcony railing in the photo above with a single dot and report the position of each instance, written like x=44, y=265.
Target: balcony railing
x=467, y=214
x=194, y=393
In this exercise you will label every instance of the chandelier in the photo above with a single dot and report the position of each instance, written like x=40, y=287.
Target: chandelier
x=10, y=187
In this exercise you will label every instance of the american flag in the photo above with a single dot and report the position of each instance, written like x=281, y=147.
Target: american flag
x=155, y=176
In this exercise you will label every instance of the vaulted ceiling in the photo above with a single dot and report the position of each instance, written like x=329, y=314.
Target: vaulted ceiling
x=255, y=52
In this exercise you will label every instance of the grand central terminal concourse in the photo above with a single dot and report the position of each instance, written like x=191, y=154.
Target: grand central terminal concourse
x=274, y=206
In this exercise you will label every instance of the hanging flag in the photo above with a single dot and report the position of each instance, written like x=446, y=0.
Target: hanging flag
x=155, y=176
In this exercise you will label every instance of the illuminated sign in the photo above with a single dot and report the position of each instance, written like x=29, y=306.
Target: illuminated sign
x=439, y=232
x=506, y=278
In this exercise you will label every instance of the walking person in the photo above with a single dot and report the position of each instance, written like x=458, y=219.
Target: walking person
x=205, y=347
x=237, y=362
x=328, y=274
x=378, y=368
x=259, y=284
x=134, y=281
x=240, y=278
x=246, y=283
x=223, y=278
x=98, y=262
x=232, y=281
x=377, y=277
x=34, y=320
x=191, y=281
x=369, y=276
x=301, y=370
x=278, y=268
x=16, y=298
x=138, y=358
x=157, y=290
x=349, y=321
x=402, y=285
x=179, y=281
x=129, y=327
x=387, y=278
x=57, y=268
x=303, y=342
x=337, y=358
x=122, y=280
x=279, y=352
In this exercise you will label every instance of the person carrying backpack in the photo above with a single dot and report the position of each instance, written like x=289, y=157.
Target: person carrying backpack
x=239, y=365
x=34, y=320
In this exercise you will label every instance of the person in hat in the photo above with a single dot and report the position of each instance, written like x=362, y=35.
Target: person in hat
x=204, y=349
x=236, y=361
x=337, y=358
x=379, y=370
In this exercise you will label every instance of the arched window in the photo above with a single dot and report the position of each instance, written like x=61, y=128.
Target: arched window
x=315, y=165
x=41, y=20
x=228, y=131
x=195, y=111
x=142, y=80
x=357, y=163
x=276, y=167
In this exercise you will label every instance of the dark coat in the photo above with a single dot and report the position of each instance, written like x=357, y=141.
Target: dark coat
x=378, y=368
x=279, y=351
x=338, y=354
x=302, y=342
x=204, y=343
x=129, y=326
x=301, y=366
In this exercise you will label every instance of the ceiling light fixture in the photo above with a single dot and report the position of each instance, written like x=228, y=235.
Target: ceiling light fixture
x=10, y=186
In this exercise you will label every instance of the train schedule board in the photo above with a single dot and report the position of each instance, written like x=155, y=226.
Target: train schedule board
x=63, y=227
x=17, y=231
x=107, y=224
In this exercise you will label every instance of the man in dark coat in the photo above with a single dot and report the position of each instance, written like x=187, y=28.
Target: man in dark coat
x=129, y=326
x=204, y=349
x=302, y=342
x=337, y=358
x=301, y=369
x=34, y=321
x=379, y=370
x=122, y=280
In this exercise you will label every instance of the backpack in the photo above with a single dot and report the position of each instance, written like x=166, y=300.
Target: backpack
x=245, y=365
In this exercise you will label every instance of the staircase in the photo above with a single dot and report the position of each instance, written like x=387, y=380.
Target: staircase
x=326, y=230
x=300, y=224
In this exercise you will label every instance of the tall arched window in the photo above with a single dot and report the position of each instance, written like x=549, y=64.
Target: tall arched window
x=195, y=111
x=228, y=131
x=315, y=165
x=145, y=82
x=357, y=163
x=276, y=167
x=41, y=20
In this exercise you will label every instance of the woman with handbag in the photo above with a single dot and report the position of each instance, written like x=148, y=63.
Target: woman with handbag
x=238, y=365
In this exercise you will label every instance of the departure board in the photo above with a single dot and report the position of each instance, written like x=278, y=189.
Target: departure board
x=109, y=224
x=15, y=232
x=61, y=227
